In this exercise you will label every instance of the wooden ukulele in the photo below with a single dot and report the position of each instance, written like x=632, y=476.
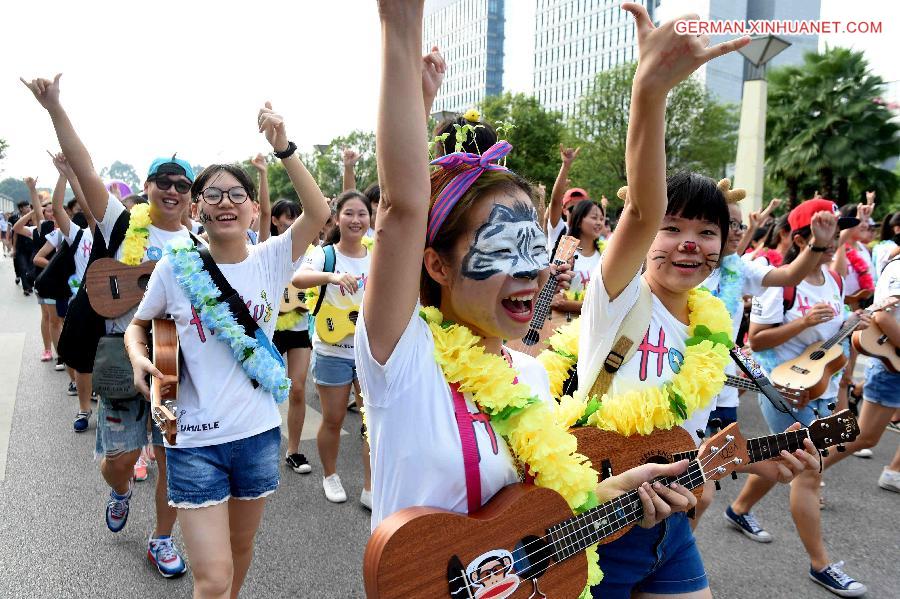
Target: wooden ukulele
x=293, y=298
x=540, y=327
x=519, y=544
x=334, y=324
x=114, y=288
x=812, y=370
x=873, y=342
x=164, y=392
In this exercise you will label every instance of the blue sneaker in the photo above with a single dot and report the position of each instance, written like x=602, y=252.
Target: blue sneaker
x=81, y=421
x=117, y=509
x=834, y=579
x=162, y=553
x=748, y=525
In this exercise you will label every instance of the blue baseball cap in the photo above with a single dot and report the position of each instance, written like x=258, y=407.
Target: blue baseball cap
x=171, y=166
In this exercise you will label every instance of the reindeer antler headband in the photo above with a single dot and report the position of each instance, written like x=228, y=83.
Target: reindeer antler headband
x=732, y=196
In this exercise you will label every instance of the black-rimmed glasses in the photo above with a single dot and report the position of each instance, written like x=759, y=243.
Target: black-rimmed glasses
x=214, y=195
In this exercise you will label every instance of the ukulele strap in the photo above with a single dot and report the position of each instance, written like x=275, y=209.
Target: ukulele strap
x=469, y=448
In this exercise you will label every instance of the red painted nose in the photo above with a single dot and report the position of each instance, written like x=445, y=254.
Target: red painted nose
x=688, y=246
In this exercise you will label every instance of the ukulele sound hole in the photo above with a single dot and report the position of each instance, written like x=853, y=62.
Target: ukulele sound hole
x=142, y=281
x=817, y=355
x=532, y=557
x=656, y=459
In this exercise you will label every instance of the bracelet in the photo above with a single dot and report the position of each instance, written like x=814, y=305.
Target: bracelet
x=287, y=152
x=818, y=249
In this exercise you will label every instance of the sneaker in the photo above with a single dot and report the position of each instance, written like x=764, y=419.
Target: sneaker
x=81, y=421
x=351, y=405
x=59, y=364
x=298, y=463
x=365, y=498
x=94, y=397
x=162, y=553
x=889, y=480
x=149, y=454
x=748, y=525
x=894, y=427
x=117, y=509
x=46, y=356
x=334, y=490
x=72, y=390
x=834, y=579
x=863, y=453
x=140, y=469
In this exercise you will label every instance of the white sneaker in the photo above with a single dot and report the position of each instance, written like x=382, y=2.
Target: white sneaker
x=334, y=490
x=365, y=498
x=889, y=480
x=863, y=453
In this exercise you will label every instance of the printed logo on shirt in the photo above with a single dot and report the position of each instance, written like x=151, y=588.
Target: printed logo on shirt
x=361, y=281
x=86, y=247
x=486, y=421
x=661, y=354
x=259, y=312
x=804, y=305
x=154, y=253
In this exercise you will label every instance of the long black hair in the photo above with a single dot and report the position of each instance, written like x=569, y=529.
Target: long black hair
x=773, y=238
x=334, y=234
x=696, y=196
x=578, y=214
x=890, y=221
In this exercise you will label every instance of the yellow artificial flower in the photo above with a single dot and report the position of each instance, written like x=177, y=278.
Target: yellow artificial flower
x=367, y=242
x=288, y=320
x=472, y=115
x=137, y=235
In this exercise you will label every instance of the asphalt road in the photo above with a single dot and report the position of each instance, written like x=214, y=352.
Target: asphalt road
x=54, y=543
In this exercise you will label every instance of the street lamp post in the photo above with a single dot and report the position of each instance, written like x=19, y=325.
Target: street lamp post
x=748, y=170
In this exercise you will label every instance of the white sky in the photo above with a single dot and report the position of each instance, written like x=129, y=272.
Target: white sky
x=143, y=79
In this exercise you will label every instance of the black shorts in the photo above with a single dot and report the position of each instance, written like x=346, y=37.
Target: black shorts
x=287, y=340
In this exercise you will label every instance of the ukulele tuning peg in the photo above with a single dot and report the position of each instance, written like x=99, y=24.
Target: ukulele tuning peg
x=715, y=423
x=701, y=433
x=816, y=412
x=733, y=475
x=841, y=448
x=831, y=406
x=718, y=486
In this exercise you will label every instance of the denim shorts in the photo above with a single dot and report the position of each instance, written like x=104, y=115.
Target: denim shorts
x=45, y=300
x=882, y=386
x=778, y=421
x=122, y=427
x=663, y=560
x=243, y=469
x=330, y=371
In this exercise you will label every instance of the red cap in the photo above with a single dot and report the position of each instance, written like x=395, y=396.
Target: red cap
x=801, y=216
x=574, y=195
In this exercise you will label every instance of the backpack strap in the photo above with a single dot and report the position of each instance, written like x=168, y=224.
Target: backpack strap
x=627, y=338
x=789, y=295
x=117, y=235
x=330, y=260
x=837, y=279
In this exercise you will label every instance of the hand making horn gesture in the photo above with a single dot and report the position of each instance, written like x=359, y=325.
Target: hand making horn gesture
x=46, y=92
x=667, y=57
x=271, y=124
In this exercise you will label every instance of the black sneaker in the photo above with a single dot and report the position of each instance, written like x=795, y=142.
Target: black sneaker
x=351, y=406
x=834, y=579
x=748, y=525
x=297, y=462
x=72, y=390
x=59, y=364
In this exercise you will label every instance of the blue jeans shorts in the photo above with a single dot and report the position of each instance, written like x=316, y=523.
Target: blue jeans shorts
x=778, y=421
x=663, y=560
x=329, y=371
x=882, y=386
x=122, y=427
x=243, y=469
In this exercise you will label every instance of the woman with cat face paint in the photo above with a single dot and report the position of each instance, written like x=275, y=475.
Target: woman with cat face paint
x=476, y=258
x=677, y=229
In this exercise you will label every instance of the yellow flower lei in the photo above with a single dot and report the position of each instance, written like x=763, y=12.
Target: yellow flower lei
x=137, y=235
x=701, y=377
x=288, y=320
x=537, y=432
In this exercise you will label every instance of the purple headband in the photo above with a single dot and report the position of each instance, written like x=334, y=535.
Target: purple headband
x=461, y=183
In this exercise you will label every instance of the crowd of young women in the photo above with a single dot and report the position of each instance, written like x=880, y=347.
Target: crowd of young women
x=412, y=315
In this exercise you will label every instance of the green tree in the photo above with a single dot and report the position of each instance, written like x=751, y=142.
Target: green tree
x=828, y=129
x=123, y=172
x=16, y=189
x=533, y=131
x=701, y=134
x=3, y=147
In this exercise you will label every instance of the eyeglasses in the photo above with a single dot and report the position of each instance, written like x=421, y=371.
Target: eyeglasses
x=214, y=195
x=165, y=184
x=736, y=226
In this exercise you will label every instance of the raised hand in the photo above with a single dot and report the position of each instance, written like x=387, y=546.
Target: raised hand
x=350, y=157
x=864, y=212
x=259, y=163
x=31, y=183
x=434, y=67
x=61, y=164
x=271, y=124
x=870, y=198
x=823, y=226
x=667, y=57
x=568, y=155
x=46, y=92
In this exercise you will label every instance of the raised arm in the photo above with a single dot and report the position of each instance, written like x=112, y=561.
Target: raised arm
x=20, y=227
x=59, y=212
x=95, y=194
x=36, y=211
x=349, y=158
x=568, y=156
x=433, y=70
x=666, y=59
x=315, y=207
x=393, y=287
x=265, y=205
x=823, y=227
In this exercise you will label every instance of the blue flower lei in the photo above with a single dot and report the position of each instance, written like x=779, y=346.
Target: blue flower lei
x=731, y=283
x=258, y=363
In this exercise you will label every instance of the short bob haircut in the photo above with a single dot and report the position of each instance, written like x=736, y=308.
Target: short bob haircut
x=696, y=196
x=280, y=208
x=203, y=179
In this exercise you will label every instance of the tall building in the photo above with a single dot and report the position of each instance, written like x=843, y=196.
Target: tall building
x=576, y=39
x=470, y=36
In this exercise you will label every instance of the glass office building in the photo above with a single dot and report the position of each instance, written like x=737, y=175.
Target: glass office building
x=470, y=36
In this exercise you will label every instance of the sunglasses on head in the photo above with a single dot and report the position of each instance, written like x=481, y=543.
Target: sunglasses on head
x=165, y=184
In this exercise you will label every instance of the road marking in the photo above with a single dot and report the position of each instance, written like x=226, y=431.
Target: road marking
x=11, y=347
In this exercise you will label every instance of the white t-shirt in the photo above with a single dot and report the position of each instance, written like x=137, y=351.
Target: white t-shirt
x=584, y=267
x=337, y=297
x=82, y=253
x=658, y=357
x=768, y=308
x=416, y=452
x=54, y=238
x=881, y=254
x=851, y=281
x=156, y=243
x=554, y=233
x=753, y=274
x=889, y=283
x=216, y=400
x=4, y=224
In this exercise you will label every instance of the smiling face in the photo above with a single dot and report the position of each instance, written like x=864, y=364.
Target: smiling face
x=353, y=220
x=735, y=217
x=593, y=223
x=495, y=271
x=168, y=204
x=226, y=219
x=684, y=252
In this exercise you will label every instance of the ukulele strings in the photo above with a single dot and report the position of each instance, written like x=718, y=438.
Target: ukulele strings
x=634, y=504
